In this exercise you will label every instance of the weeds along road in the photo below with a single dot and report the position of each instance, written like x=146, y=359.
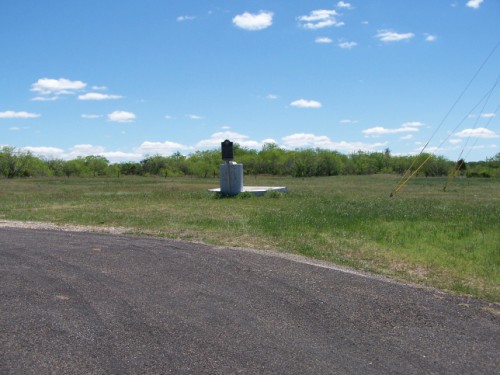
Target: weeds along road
x=87, y=303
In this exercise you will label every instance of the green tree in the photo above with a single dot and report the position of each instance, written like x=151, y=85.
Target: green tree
x=154, y=165
x=130, y=168
x=56, y=167
x=96, y=165
x=178, y=163
x=75, y=167
x=366, y=163
x=400, y=164
x=436, y=166
x=34, y=166
x=247, y=157
x=330, y=163
x=113, y=170
x=304, y=163
x=203, y=163
x=14, y=163
x=272, y=160
x=494, y=162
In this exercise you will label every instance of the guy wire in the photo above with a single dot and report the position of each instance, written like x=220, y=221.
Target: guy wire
x=404, y=179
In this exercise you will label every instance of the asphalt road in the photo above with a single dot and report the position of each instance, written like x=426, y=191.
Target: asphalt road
x=87, y=303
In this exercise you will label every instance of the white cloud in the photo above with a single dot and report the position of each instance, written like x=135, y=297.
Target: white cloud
x=272, y=97
x=48, y=152
x=392, y=36
x=347, y=45
x=81, y=150
x=44, y=98
x=412, y=124
x=300, y=140
x=319, y=19
x=97, y=96
x=319, y=15
x=91, y=116
x=323, y=40
x=477, y=133
x=161, y=148
x=87, y=149
x=475, y=4
x=121, y=116
x=430, y=38
x=185, y=18
x=348, y=121
x=406, y=137
x=99, y=88
x=380, y=130
x=216, y=139
x=302, y=103
x=12, y=114
x=268, y=141
x=120, y=155
x=253, y=22
x=436, y=150
x=84, y=150
x=343, y=4
x=47, y=86
x=455, y=141
x=488, y=115
x=195, y=117
x=307, y=140
x=168, y=117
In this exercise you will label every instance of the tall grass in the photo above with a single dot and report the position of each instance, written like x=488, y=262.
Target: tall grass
x=449, y=240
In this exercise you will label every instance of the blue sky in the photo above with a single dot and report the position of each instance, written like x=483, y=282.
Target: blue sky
x=125, y=79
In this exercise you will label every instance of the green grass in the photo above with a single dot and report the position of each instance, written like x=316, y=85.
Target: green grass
x=449, y=240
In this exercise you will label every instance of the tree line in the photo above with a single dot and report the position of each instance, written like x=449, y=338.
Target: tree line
x=270, y=160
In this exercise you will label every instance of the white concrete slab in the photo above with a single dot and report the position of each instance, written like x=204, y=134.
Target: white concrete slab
x=258, y=190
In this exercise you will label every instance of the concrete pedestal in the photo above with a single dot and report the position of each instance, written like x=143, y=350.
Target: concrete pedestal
x=231, y=178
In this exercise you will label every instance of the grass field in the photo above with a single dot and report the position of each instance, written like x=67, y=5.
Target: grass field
x=449, y=240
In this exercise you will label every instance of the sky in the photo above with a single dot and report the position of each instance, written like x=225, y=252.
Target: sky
x=127, y=79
